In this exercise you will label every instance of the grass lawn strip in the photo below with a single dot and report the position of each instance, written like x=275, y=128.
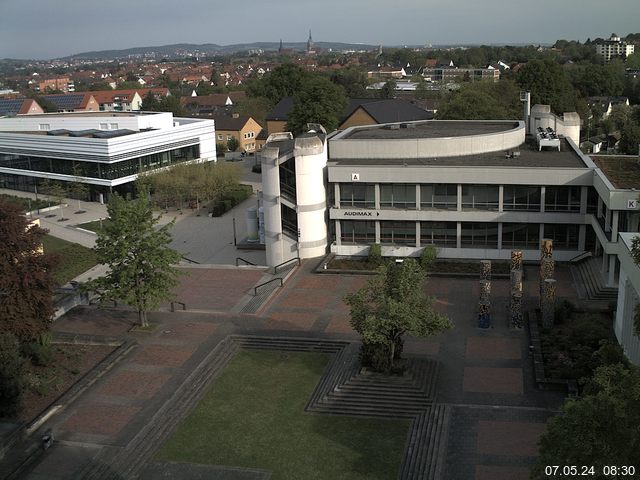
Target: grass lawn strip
x=74, y=259
x=253, y=417
x=94, y=226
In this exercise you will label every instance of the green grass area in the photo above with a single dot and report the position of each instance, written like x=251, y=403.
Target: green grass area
x=94, y=226
x=253, y=417
x=74, y=259
x=26, y=204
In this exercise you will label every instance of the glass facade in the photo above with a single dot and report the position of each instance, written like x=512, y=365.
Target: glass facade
x=101, y=170
x=565, y=237
x=439, y=196
x=521, y=197
x=562, y=199
x=357, y=195
x=440, y=234
x=397, y=233
x=354, y=232
x=289, y=221
x=398, y=195
x=287, y=172
x=480, y=197
x=479, y=235
x=520, y=235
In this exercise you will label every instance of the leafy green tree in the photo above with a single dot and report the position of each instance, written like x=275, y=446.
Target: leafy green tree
x=388, y=90
x=284, y=81
x=482, y=101
x=318, y=101
x=233, y=144
x=599, y=429
x=58, y=191
x=354, y=81
x=150, y=103
x=26, y=285
x=630, y=139
x=78, y=187
x=390, y=305
x=255, y=107
x=142, y=270
x=549, y=85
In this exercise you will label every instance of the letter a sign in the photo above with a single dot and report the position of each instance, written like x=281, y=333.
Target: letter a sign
x=355, y=177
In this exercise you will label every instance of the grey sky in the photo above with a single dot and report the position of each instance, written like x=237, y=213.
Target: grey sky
x=55, y=28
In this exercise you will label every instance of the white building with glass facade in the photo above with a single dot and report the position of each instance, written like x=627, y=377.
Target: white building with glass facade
x=107, y=151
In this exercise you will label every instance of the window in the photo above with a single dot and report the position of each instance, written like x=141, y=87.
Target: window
x=249, y=135
x=288, y=179
x=480, y=197
x=440, y=196
x=398, y=233
x=113, y=126
x=289, y=221
x=398, y=195
x=592, y=201
x=229, y=137
x=220, y=137
x=354, y=231
x=357, y=195
x=104, y=126
x=440, y=234
x=565, y=237
x=562, y=199
x=524, y=198
x=44, y=126
x=520, y=235
x=479, y=235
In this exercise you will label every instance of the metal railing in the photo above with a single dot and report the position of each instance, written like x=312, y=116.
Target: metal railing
x=182, y=304
x=295, y=259
x=189, y=260
x=243, y=260
x=581, y=257
x=255, y=289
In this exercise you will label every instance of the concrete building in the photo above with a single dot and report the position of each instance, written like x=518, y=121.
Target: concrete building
x=105, y=150
x=614, y=48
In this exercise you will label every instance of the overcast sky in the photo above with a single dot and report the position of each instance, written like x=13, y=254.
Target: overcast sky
x=54, y=28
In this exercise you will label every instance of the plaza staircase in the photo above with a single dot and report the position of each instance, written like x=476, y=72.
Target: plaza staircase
x=587, y=274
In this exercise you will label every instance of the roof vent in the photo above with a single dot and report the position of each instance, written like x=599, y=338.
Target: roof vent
x=407, y=125
x=393, y=126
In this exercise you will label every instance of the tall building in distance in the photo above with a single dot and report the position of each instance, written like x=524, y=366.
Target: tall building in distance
x=614, y=48
x=311, y=46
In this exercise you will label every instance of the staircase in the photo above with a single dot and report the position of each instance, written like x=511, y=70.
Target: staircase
x=587, y=273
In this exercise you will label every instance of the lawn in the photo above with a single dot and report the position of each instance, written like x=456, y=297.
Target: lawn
x=74, y=259
x=253, y=416
x=26, y=204
x=94, y=226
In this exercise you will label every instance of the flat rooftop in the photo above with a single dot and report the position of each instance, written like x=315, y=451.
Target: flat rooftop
x=528, y=157
x=430, y=129
x=622, y=171
x=87, y=114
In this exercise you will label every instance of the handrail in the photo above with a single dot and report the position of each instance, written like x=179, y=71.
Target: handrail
x=581, y=256
x=245, y=261
x=296, y=259
x=184, y=305
x=189, y=260
x=255, y=289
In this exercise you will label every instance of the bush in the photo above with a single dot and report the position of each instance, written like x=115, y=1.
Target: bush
x=564, y=311
x=375, y=255
x=428, y=257
x=40, y=354
x=376, y=357
x=11, y=375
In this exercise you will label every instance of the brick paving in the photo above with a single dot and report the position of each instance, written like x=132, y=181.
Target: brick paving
x=497, y=413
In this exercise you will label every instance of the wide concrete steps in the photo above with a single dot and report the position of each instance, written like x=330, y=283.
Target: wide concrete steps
x=290, y=344
x=587, y=272
x=427, y=445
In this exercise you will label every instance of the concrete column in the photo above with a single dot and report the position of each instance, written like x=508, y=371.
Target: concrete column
x=377, y=231
x=600, y=203
x=582, y=237
x=459, y=198
x=500, y=236
x=376, y=193
x=418, y=234
x=615, y=214
x=611, y=280
x=584, y=194
x=607, y=221
x=500, y=201
x=459, y=235
x=338, y=233
x=543, y=193
x=541, y=236
x=418, y=197
x=336, y=194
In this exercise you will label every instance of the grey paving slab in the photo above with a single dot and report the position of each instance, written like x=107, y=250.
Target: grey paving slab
x=192, y=471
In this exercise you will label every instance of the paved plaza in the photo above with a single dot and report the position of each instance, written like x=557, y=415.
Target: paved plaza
x=497, y=414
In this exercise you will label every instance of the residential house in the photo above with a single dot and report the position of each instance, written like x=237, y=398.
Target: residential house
x=19, y=106
x=241, y=127
x=73, y=102
x=208, y=105
x=64, y=84
x=606, y=104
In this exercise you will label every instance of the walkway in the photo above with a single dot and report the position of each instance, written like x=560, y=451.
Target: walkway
x=496, y=413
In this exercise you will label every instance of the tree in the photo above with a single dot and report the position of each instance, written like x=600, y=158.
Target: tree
x=482, y=101
x=256, y=107
x=141, y=264
x=150, y=103
x=58, y=192
x=26, y=285
x=318, y=101
x=548, y=84
x=388, y=90
x=233, y=144
x=390, y=305
x=284, y=81
x=11, y=374
x=354, y=81
x=78, y=187
x=599, y=429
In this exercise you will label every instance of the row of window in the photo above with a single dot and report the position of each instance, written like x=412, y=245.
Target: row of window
x=107, y=171
x=474, y=197
x=473, y=234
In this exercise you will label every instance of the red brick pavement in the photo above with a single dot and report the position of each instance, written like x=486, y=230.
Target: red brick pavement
x=94, y=321
x=132, y=384
x=100, y=418
x=215, y=289
x=493, y=380
x=498, y=348
x=509, y=438
x=163, y=355
x=291, y=321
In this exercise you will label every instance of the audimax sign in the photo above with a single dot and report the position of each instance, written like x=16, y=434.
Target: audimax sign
x=360, y=213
